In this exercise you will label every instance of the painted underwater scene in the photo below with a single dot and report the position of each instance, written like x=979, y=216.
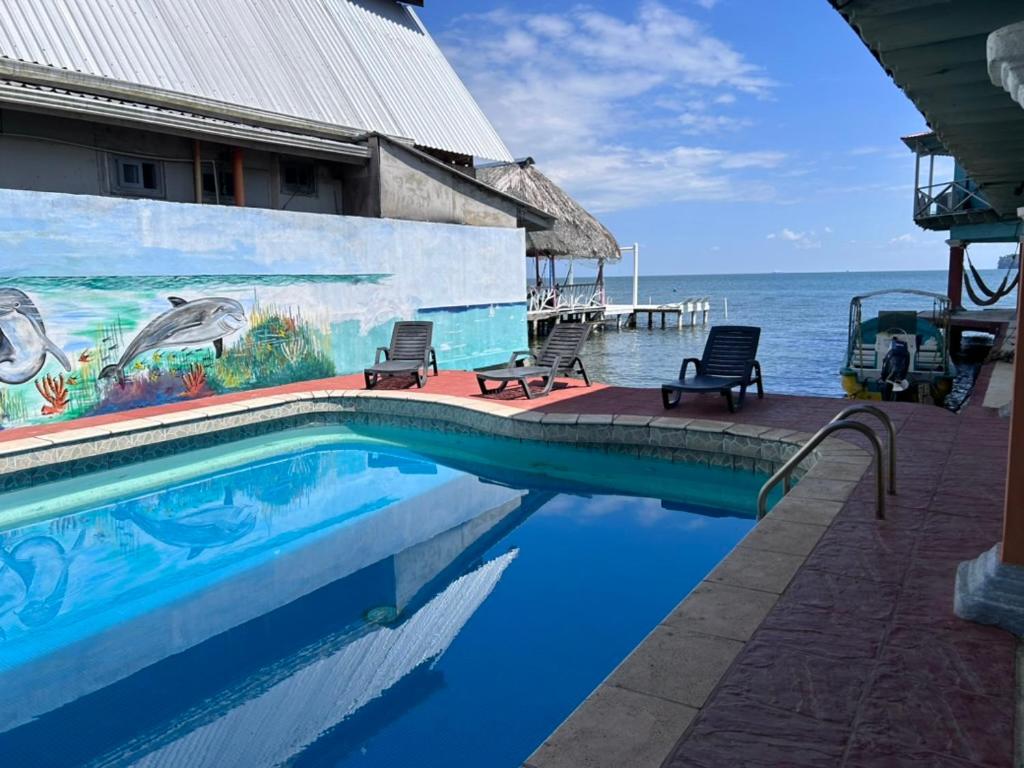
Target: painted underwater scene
x=108, y=304
x=126, y=346
x=85, y=346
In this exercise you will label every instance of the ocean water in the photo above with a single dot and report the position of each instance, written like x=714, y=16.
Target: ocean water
x=803, y=319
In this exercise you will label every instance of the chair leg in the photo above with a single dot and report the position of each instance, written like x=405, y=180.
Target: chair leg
x=433, y=360
x=743, y=395
x=670, y=398
x=525, y=384
x=759, y=381
x=583, y=372
x=727, y=393
x=485, y=390
x=549, y=382
x=370, y=379
x=421, y=378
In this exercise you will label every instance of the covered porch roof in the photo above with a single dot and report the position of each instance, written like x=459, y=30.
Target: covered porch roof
x=936, y=52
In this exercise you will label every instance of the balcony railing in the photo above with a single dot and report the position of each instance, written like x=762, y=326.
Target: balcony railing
x=952, y=198
x=578, y=296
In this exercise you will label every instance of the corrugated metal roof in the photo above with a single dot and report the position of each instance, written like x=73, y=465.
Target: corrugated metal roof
x=363, y=64
x=49, y=100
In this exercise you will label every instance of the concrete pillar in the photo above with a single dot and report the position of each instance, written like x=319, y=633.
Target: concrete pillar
x=955, y=284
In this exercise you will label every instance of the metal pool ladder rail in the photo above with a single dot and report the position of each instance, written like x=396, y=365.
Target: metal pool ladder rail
x=842, y=421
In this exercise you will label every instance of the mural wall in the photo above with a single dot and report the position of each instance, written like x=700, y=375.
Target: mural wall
x=110, y=304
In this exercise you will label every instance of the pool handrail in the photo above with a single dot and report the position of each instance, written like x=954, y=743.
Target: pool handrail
x=889, y=427
x=786, y=470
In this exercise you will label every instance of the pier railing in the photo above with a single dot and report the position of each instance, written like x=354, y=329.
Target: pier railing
x=565, y=297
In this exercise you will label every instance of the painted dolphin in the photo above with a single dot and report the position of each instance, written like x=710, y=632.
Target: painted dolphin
x=23, y=340
x=41, y=563
x=212, y=525
x=185, y=324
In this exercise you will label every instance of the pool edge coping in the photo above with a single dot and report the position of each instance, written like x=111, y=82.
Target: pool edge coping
x=642, y=708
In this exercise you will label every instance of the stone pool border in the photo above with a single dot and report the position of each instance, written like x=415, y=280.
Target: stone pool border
x=641, y=709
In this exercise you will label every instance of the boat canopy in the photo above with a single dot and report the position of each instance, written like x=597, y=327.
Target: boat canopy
x=940, y=297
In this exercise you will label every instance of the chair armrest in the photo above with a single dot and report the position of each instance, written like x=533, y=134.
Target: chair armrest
x=518, y=358
x=556, y=365
x=381, y=351
x=686, y=365
x=756, y=370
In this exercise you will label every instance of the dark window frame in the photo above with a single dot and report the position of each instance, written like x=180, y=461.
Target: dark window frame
x=153, y=187
x=218, y=180
x=298, y=188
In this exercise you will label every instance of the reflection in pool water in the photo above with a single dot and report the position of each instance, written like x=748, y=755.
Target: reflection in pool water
x=352, y=603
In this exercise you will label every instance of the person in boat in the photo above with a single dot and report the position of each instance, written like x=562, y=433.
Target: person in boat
x=894, y=369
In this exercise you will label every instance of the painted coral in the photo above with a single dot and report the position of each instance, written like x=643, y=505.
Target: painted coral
x=194, y=380
x=55, y=393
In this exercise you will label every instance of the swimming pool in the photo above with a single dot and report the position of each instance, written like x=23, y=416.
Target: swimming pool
x=332, y=597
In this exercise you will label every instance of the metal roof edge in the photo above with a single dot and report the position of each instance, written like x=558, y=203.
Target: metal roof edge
x=48, y=100
x=39, y=74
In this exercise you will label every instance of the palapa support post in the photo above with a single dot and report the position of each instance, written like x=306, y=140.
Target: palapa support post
x=990, y=588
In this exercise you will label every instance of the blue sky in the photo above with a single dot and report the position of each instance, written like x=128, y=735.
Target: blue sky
x=722, y=135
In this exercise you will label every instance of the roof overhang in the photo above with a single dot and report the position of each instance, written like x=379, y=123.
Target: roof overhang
x=936, y=52
x=111, y=111
x=926, y=143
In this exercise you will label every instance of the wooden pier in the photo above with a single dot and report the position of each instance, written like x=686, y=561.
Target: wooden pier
x=687, y=313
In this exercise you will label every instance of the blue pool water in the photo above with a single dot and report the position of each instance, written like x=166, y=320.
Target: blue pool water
x=337, y=599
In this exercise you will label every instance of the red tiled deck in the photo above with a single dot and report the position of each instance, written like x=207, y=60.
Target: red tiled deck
x=861, y=662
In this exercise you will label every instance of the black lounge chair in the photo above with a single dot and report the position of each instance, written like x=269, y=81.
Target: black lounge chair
x=560, y=356
x=410, y=352
x=728, y=362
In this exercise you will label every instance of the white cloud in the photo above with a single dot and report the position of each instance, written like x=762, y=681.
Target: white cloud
x=861, y=151
x=803, y=240
x=620, y=177
x=608, y=105
x=905, y=239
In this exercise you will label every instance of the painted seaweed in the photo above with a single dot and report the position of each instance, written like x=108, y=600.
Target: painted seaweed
x=279, y=347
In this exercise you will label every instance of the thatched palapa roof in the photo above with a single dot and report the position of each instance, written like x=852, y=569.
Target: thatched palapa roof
x=576, y=234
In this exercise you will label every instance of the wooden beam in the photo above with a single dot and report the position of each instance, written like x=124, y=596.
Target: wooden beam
x=238, y=174
x=955, y=278
x=197, y=169
x=1012, y=551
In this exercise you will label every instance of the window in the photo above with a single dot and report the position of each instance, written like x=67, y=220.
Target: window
x=136, y=176
x=218, y=182
x=298, y=177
